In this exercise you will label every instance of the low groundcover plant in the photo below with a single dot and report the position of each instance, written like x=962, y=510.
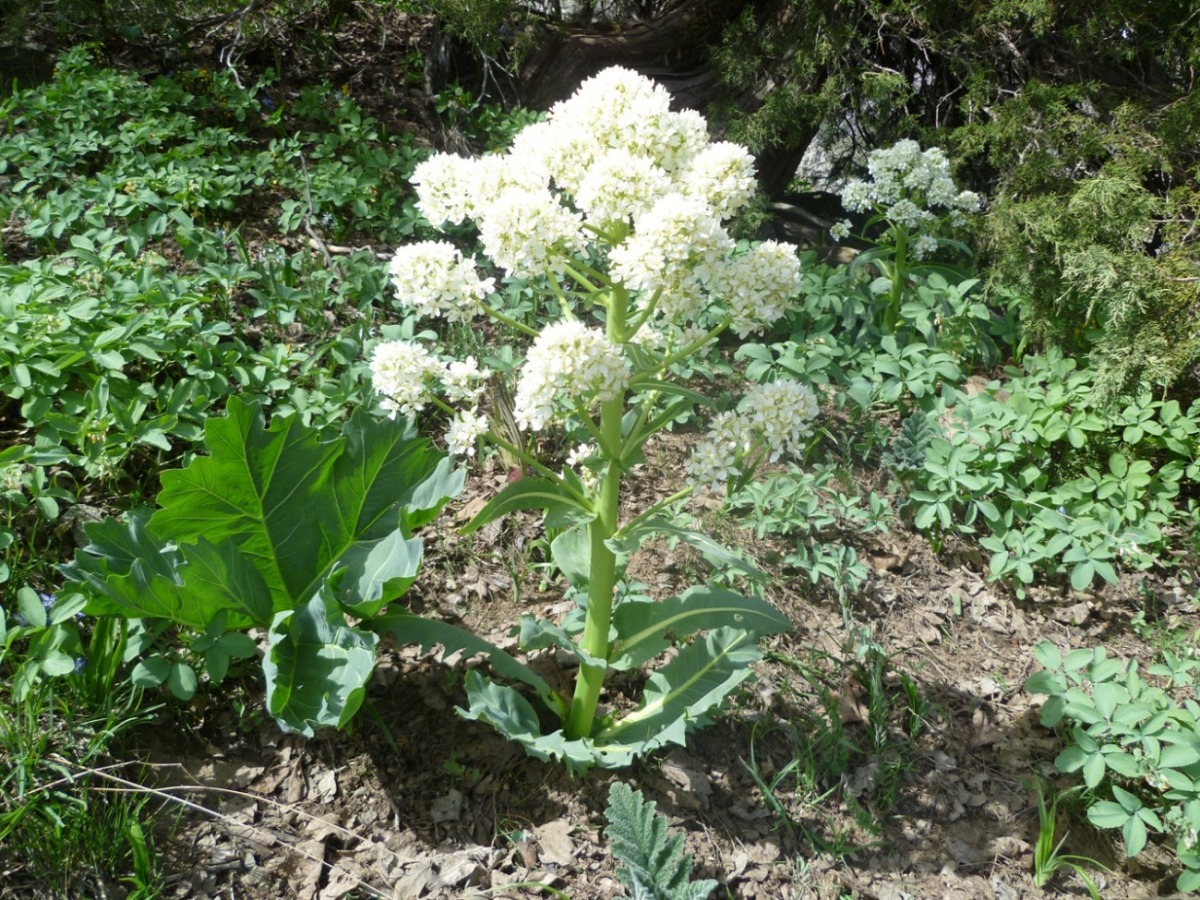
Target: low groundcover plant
x=614, y=206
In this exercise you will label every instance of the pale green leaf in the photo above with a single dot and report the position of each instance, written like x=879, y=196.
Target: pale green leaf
x=647, y=629
x=532, y=493
x=316, y=667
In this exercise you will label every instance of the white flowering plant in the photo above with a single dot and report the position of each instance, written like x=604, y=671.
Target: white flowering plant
x=615, y=206
x=912, y=195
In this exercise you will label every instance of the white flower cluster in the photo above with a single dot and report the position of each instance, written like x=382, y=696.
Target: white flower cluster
x=406, y=373
x=529, y=233
x=433, y=279
x=781, y=413
x=465, y=429
x=401, y=371
x=911, y=187
x=567, y=362
x=614, y=153
x=757, y=284
x=776, y=417
x=620, y=187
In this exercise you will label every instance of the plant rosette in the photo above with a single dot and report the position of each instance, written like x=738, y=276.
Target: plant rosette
x=614, y=207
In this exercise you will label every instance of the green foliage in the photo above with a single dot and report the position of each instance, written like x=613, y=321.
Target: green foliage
x=1048, y=857
x=278, y=527
x=654, y=865
x=133, y=306
x=1078, y=121
x=1081, y=256
x=1132, y=740
x=59, y=717
x=806, y=506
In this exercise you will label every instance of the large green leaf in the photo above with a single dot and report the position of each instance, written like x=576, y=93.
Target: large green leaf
x=133, y=574
x=317, y=667
x=267, y=489
x=646, y=629
x=683, y=692
x=373, y=572
x=406, y=628
x=533, y=493
x=293, y=503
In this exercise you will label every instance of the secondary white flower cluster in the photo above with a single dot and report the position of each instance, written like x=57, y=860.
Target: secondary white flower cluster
x=614, y=160
x=568, y=362
x=912, y=188
x=406, y=374
x=757, y=284
x=434, y=279
x=775, y=418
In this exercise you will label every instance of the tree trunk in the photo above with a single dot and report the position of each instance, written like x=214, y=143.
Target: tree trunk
x=670, y=48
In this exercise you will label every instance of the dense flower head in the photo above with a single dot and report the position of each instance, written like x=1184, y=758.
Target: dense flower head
x=757, y=285
x=677, y=233
x=465, y=429
x=620, y=187
x=617, y=109
x=781, y=413
x=776, y=416
x=444, y=188
x=433, y=279
x=401, y=371
x=527, y=233
x=721, y=176
x=909, y=185
x=568, y=362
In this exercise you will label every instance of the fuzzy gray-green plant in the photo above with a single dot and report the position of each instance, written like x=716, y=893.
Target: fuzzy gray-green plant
x=654, y=866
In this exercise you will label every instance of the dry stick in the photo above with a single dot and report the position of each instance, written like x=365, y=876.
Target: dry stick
x=308, y=226
x=132, y=787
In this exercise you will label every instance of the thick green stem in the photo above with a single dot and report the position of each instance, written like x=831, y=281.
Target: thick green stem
x=602, y=575
x=899, y=270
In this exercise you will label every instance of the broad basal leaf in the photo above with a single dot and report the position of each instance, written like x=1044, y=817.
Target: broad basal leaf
x=371, y=573
x=135, y=575
x=317, y=667
x=647, y=629
x=299, y=508
x=684, y=691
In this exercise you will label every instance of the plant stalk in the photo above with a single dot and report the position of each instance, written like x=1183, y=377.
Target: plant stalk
x=602, y=577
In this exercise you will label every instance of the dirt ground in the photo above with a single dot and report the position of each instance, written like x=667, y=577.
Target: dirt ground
x=415, y=802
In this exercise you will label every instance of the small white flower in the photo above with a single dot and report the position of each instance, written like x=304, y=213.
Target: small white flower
x=781, y=413
x=923, y=247
x=400, y=371
x=711, y=466
x=568, y=361
x=464, y=380
x=841, y=230
x=433, y=279
x=464, y=431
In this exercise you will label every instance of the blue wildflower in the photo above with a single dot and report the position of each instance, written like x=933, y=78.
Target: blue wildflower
x=80, y=664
